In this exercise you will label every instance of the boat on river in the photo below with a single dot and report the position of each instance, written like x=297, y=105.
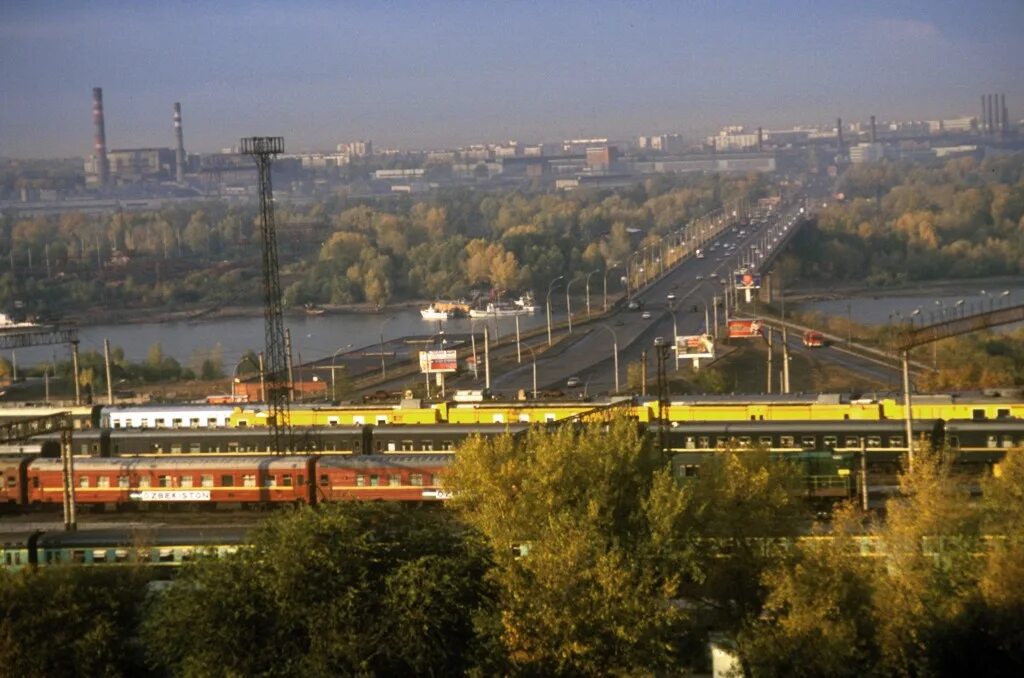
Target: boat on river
x=6, y=323
x=433, y=313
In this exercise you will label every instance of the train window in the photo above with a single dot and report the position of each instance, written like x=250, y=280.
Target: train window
x=99, y=555
x=242, y=423
x=743, y=441
x=381, y=419
x=103, y=481
x=498, y=419
x=286, y=480
x=268, y=481
x=85, y=448
x=830, y=442
x=117, y=423
x=83, y=481
x=392, y=447
x=144, y=481
x=895, y=441
x=1007, y=441
x=166, y=556
x=374, y=480
x=428, y=478
x=954, y=442
x=249, y=480
x=332, y=421
x=852, y=441
x=163, y=481
x=416, y=479
x=195, y=447
x=324, y=480
x=765, y=441
x=360, y=480
x=407, y=446
x=232, y=447
x=176, y=422
x=123, y=482
x=1002, y=413
x=808, y=442
x=211, y=422
x=548, y=417
x=722, y=442
x=358, y=420
x=427, y=445
x=690, y=442
x=787, y=441
x=524, y=418
x=11, y=481
x=300, y=480
x=977, y=414
x=78, y=556
x=874, y=441
x=447, y=445
x=991, y=441
x=394, y=480
x=120, y=555
x=175, y=448
x=378, y=445
x=185, y=481
x=704, y=442
x=227, y=480
x=205, y=480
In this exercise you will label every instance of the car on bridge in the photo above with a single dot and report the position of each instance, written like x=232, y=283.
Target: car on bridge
x=573, y=382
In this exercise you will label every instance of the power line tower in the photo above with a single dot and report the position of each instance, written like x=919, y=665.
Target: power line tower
x=263, y=150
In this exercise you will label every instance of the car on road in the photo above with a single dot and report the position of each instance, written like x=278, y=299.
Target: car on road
x=573, y=382
x=671, y=296
x=645, y=315
x=700, y=277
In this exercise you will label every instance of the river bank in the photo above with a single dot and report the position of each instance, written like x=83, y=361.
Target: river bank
x=804, y=292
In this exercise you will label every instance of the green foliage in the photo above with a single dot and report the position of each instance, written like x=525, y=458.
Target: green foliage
x=960, y=219
x=70, y=621
x=341, y=589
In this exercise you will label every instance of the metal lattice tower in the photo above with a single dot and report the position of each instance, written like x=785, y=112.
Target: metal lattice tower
x=263, y=150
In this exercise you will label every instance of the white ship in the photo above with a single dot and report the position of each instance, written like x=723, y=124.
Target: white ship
x=525, y=302
x=500, y=310
x=7, y=324
x=432, y=313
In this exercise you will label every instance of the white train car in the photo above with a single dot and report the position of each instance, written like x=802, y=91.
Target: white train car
x=167, y=416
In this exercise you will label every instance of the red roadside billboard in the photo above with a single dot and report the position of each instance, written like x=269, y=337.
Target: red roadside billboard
x=744, y=329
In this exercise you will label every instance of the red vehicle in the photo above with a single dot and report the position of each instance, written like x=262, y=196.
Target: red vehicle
x=227, y=480
x=813, y=339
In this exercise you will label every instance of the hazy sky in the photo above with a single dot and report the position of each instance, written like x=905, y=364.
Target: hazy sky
x=429, y=74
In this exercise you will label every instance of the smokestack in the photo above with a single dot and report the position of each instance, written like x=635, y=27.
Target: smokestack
x=1006, y=113
x=760, y=140
x=874, y=137
x=998, y=113
x=991, y=115
x=984, y=115
x=179, y=157
x=100, y=137
x=839, y=131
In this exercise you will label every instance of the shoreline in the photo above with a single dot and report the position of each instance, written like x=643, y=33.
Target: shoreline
x=949, y=287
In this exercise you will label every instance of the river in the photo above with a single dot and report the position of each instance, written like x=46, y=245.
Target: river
x=312, y=336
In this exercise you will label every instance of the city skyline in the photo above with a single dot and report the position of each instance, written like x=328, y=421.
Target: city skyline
x=437, y=74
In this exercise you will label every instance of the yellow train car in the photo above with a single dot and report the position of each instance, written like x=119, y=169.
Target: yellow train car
x=949, y=406
x=507, y=413
x=345, y=415
x=820, y=407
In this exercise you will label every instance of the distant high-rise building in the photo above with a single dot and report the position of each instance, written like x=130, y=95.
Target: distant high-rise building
x=356, y=149
x=601, y=158
x=869, y=152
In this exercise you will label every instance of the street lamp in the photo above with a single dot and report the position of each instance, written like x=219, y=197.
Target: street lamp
x=596, y=270
x=615, y=354
x=610, y=269
x=675, y=331
x=547, y=304
x=568, y=304
x=383, y=365
x=533, y=356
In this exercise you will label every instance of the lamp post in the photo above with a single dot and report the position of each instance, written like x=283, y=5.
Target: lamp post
x=568, y=304
x=615, y=354
x=596, y=270
x=383, y=365
x=533, y=356
x=675, y=332
x=610, y=269
x=334, y=390
x=547, y=304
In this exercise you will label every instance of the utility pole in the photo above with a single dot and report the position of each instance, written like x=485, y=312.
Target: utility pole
x=487, y=360
x=263, y=150
x=74, y=370
x=106, y=360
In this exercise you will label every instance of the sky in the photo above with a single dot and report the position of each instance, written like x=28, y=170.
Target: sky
x=433, y=74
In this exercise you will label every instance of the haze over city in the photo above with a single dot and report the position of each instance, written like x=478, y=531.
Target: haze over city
x=436, y=74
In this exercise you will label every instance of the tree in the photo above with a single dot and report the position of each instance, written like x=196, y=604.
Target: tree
x=570, y=516
x=338, y=589
x=70, y=621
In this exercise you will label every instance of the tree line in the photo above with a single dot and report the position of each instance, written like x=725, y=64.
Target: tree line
x=580, y=551
x=342, y=250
